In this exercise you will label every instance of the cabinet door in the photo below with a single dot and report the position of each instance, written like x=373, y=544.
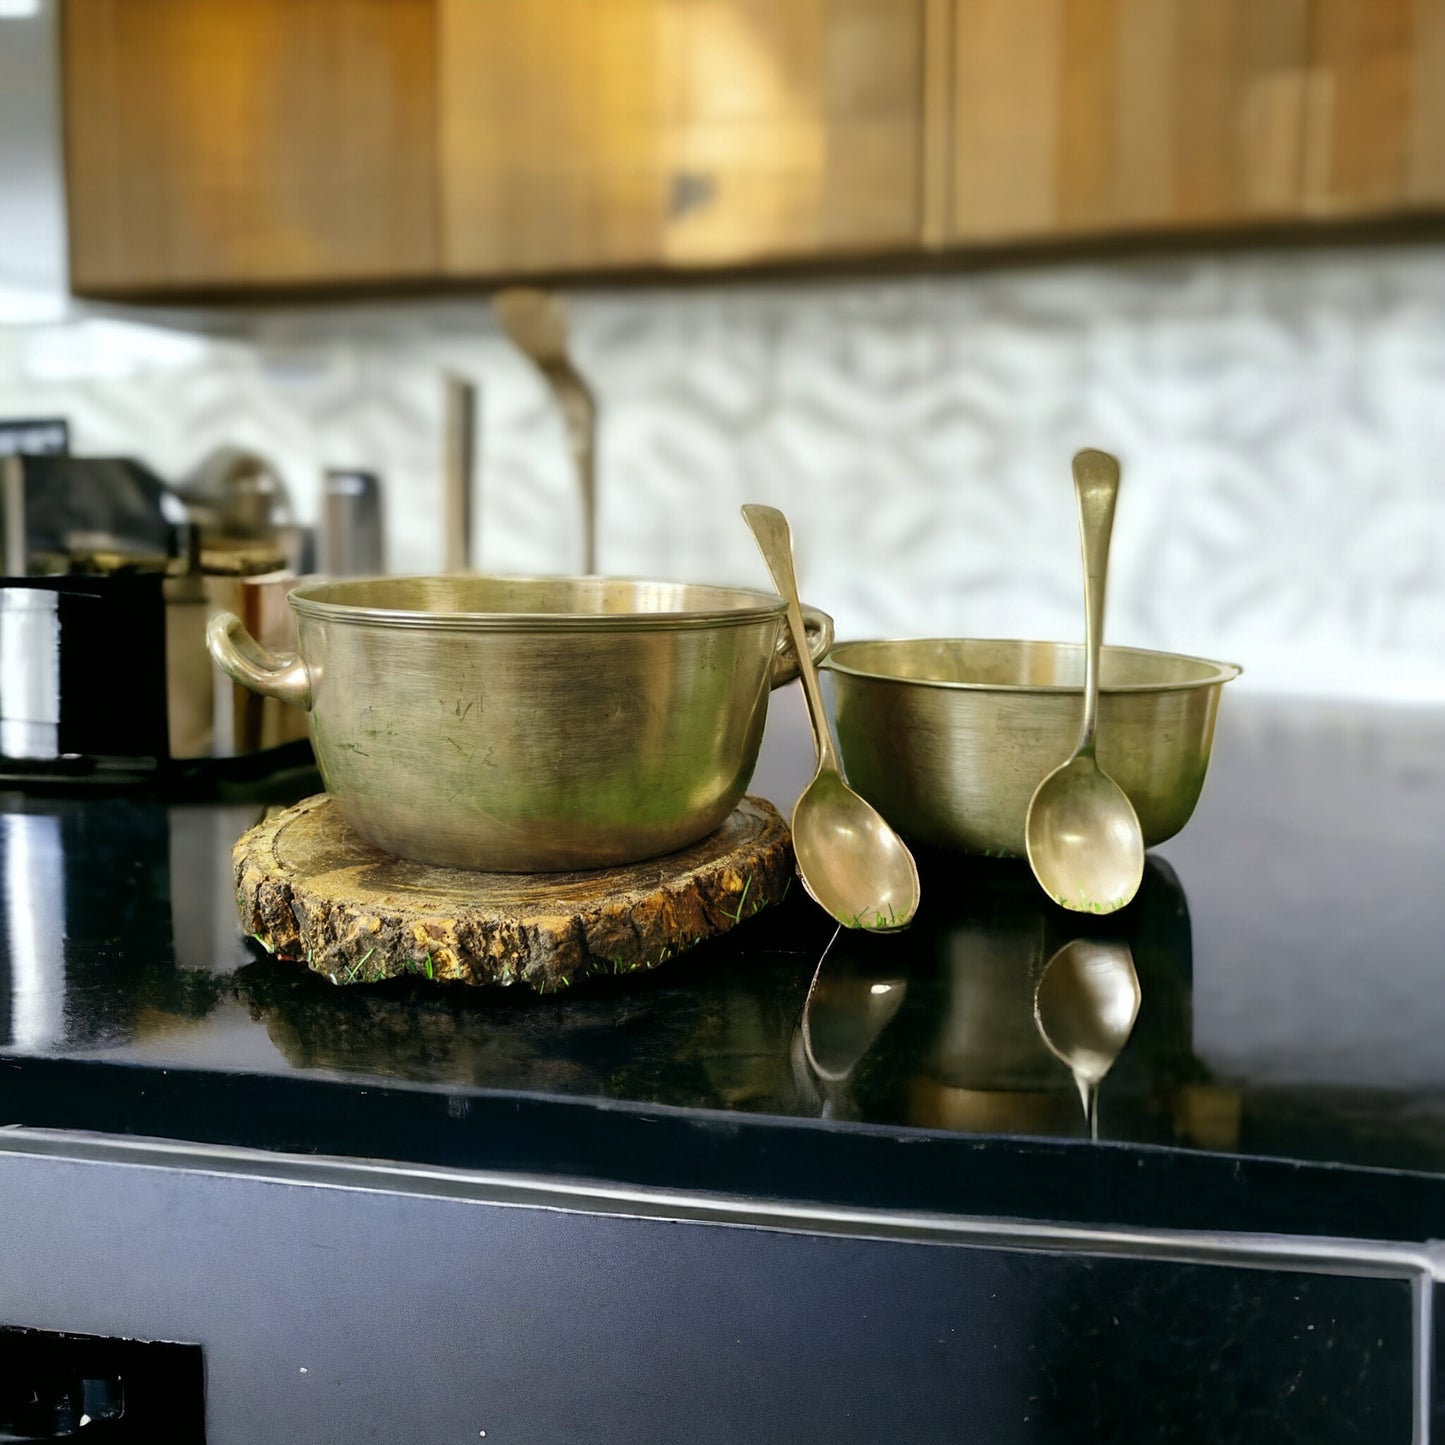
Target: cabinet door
x=588, y=134
x=1376, y=129
x=216, y=144
x=1071, y=117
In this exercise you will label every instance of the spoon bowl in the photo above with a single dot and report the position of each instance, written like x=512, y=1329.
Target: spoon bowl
x=1085, y=843
x=846, y=849
x=853, y=865
x=1082, y=834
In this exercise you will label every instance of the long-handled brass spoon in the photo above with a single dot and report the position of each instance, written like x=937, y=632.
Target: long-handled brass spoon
x=1084, y=1008
x=1083, y=837
x=537, y=324
x=852, y=863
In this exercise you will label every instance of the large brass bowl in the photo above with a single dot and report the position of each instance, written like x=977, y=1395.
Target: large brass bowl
x=528, y=724
x=949, y=737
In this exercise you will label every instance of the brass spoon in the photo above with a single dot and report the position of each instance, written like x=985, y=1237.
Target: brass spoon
x=852, y=863
x=1084, y=1008
x=1082, y=835
x=537, y=325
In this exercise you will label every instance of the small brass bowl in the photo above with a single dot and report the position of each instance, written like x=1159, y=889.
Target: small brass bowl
x=949, y=737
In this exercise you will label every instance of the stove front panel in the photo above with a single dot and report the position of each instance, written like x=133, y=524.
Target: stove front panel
x=335, y=1313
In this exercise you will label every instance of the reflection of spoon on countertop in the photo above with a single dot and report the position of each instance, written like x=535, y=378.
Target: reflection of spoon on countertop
x=1085, y=1007
x=848, y=1006
x=851, y=862
x=1083, y=837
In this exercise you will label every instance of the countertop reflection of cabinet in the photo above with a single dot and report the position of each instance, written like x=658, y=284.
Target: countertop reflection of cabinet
x=223, y=147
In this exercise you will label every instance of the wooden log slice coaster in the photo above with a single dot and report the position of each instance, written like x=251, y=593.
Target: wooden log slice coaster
x=310, y=889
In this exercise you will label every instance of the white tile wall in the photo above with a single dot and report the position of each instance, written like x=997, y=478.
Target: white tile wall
x=1281, y=419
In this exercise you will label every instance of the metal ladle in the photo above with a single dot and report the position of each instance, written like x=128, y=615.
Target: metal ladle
x=852, y=863
x=1084, y=1008
x=1083, y=837
x=537, y=324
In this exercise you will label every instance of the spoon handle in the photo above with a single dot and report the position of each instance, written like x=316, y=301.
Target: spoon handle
x=775, y=541
x=1096, y=485
x=579, y=413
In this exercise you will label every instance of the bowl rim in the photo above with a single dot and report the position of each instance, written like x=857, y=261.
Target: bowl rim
x=731, y=606
x=1219, y=672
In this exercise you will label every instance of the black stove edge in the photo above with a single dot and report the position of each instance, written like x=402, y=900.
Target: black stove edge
x=1421, y=1264
x=761, y=1158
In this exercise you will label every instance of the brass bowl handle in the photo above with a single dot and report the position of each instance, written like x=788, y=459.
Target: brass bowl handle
x=238, y=654
x=820, y=639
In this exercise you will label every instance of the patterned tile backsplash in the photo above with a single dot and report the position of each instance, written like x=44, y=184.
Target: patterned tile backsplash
x=1281, y=418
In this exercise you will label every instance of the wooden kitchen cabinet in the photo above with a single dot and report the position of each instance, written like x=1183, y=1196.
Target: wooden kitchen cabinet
x=1075, y=117
x=1376, y=122
x=587, y=134
x=216, y=145
x=272, y=142
x=228, y=147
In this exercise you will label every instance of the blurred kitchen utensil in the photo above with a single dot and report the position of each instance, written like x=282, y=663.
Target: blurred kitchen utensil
x=104, y=670
x=239, y=500
x=1084, y=840
x=350, y=541
x=191, y=680
x=237, y=493
x=246, y=721
x=459, y=463
x=537, y=324
x=115, y=504
x=252, y=580
x=14, y=551
x=83, y=668
x=851, y=862
x=1084, y=1008
x=527, y=724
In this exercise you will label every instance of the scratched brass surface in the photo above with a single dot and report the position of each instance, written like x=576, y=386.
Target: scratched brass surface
x=529, y=724
x=949, y=737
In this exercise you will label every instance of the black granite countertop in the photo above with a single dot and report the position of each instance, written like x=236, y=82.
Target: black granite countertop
x=1287, y=1069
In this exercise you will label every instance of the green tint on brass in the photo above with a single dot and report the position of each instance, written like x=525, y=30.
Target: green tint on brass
x=852, y=863
x=1084, y=1008
x=1083, y=837
x=948, y=737
x=529, y=724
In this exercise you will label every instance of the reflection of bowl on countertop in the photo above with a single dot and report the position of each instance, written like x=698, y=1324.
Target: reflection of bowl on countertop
x=949, y=737
x=964, y=1051
x=932, y=1104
